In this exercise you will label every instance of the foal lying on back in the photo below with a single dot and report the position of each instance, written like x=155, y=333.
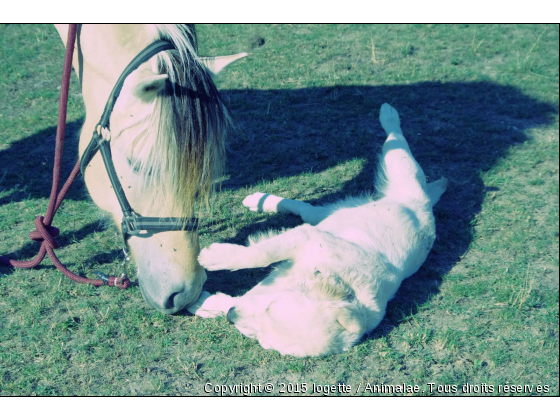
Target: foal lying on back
x=341, y=267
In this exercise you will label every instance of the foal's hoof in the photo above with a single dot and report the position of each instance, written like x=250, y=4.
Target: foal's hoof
x=211, y=306
x=254, y=202
x=222, y=257
x=261, y=202
x=389, y=119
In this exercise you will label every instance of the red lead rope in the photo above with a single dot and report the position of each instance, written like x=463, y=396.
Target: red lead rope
x=45, y=233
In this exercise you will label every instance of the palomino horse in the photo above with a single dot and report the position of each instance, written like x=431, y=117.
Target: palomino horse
x=168, y=129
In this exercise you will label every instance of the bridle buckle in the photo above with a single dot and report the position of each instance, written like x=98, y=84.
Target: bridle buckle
x=103, y=132
x=129, y=225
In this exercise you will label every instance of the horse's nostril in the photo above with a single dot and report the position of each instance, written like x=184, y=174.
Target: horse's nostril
x=170, y=301
x=175, y=302
x=232, y=315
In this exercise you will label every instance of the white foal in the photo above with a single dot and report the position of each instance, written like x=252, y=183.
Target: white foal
x=341, y=267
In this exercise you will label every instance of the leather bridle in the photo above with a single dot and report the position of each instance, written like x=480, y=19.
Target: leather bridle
x=133, y=224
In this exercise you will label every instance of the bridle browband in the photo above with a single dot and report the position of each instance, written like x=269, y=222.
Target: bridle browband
x=133, y=224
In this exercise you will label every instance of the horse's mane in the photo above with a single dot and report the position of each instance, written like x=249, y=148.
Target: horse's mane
x=182, y=150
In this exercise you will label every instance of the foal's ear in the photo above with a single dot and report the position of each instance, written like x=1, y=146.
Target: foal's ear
x=148, y=88
x=351, y=320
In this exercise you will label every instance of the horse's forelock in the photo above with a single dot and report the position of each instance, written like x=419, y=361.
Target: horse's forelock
x=186, y=134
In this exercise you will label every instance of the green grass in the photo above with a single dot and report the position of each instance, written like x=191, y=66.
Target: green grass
x=479, y=104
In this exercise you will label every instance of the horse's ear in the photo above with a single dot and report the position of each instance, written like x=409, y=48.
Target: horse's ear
x=148, y=88
x=217, y=64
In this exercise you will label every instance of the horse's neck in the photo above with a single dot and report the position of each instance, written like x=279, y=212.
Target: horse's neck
x=102, y=53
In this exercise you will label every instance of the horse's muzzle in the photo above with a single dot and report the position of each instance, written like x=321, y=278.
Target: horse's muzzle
x=170, y=301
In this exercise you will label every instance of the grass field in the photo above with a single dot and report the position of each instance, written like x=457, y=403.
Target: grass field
x=479, y=104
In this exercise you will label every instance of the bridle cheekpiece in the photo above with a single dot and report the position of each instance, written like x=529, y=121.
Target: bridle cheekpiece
x=133, y=224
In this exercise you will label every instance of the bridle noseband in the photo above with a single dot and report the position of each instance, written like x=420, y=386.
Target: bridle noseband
x=133, y=224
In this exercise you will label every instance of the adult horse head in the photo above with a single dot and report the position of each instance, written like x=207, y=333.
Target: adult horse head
x=168, y=128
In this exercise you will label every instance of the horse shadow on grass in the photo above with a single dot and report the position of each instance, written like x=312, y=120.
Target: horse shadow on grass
x=26, y=166
x=26, y=174
x=457, y=130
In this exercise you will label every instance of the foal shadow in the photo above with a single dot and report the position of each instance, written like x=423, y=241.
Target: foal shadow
x=456, y=130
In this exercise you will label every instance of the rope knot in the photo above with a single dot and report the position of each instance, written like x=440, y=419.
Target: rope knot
x=44, y=233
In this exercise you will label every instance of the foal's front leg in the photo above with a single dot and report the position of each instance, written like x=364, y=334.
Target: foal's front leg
x=262, y=252
x=211, y=306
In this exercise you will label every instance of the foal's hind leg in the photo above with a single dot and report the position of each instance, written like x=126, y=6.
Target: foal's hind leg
x=400, y=177
x=260, y=202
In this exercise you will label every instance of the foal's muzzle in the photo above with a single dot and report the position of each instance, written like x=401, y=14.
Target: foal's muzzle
x=232, y=315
